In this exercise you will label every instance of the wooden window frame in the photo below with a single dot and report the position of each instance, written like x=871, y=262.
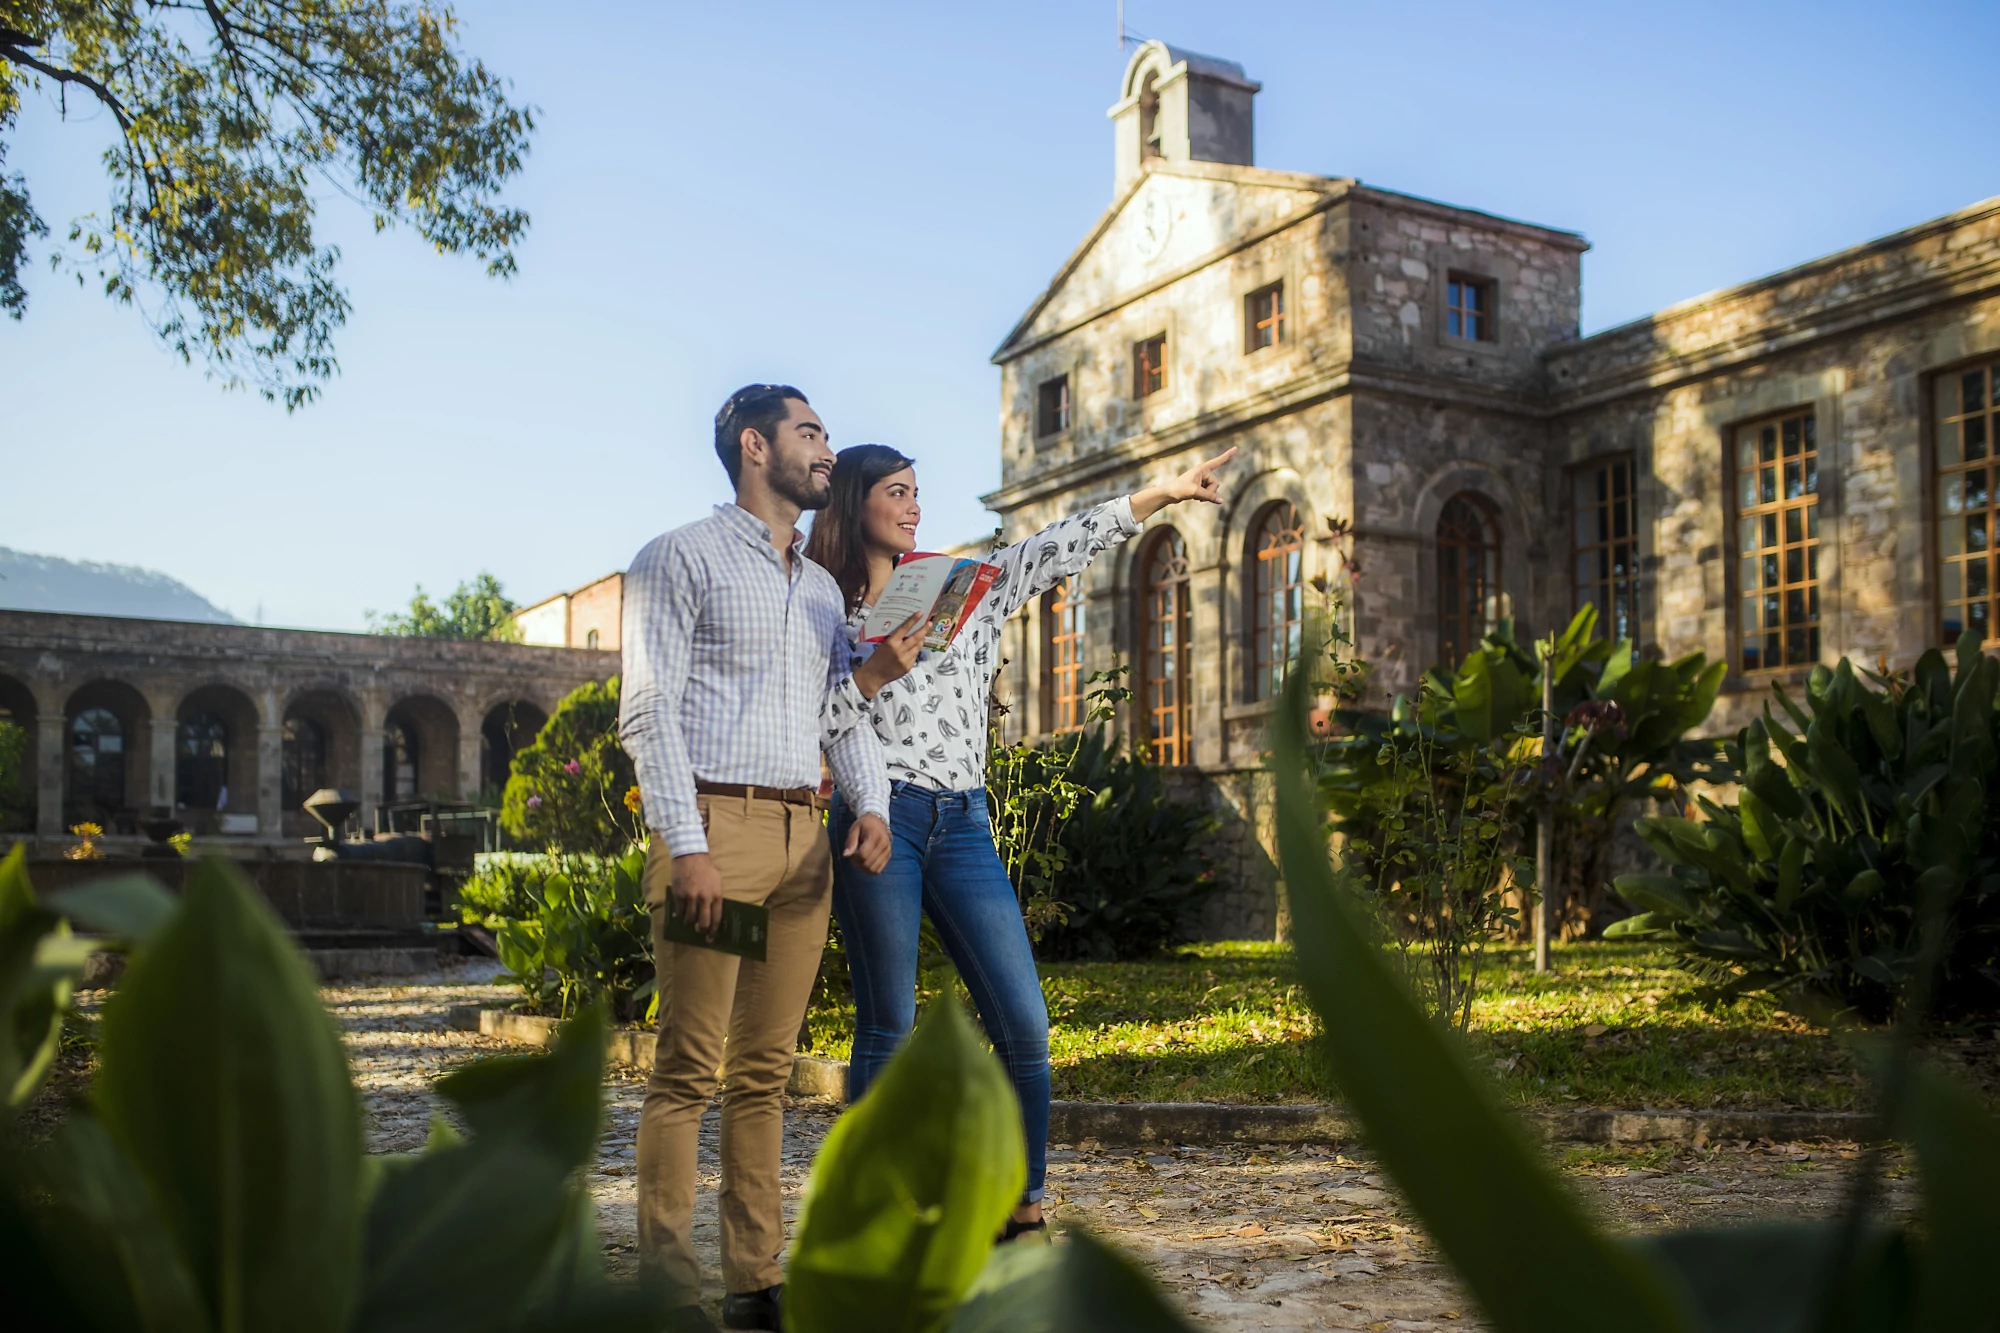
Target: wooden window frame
x=1967, y=527
x=1064, y=626
x=1481, y=314
x=1264, y=328
x=1165, y=661
x=1462, y=614
x=1604, y=562
x=1149, y=366
x=1776, y=560
x=1063, y=407
x=1276, y=622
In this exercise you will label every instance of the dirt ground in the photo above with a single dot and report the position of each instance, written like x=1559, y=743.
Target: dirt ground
x=1246, y=1237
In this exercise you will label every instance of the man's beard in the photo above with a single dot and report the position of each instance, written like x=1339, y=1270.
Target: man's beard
x=799, y=484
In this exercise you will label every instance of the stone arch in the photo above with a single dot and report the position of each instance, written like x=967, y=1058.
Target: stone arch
x=507, y=728
x=419, y=749
x=107, y=759
x=319, y=746
x=215, y=756
x=1466, y=478
x=18, y=707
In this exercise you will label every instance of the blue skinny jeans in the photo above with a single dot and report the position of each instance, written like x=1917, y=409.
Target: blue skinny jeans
x=943, y=866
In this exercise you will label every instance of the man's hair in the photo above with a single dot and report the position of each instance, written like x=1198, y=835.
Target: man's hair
x=758, y=407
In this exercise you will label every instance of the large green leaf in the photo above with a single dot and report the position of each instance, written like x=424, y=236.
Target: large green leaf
x=127, y=908
x=1957, y=1142
x=224, y=1082
x=484, y=1232
x=31, y=1001
x=112, y=1249
x=1078, y=1286
x=1514, y=1236
x=1781, y=1277
x=909, y=1189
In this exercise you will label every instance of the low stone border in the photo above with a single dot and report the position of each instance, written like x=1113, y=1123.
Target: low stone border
x=1146, y=1124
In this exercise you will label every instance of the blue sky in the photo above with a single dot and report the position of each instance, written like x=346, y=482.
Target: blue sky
x=861, y=199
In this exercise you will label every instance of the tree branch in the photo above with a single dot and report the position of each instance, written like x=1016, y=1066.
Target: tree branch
x=14, y=53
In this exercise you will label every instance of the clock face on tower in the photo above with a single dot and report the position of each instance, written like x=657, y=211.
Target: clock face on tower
x=1156, y=219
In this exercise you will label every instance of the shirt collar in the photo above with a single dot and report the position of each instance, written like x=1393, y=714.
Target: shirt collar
x=755, y=530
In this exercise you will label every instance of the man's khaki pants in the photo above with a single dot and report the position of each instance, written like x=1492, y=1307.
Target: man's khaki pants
x=721, y=1012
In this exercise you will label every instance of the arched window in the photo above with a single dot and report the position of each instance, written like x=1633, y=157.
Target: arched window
x=1164, y=635
x=1149, y=117
x=305, y=760
x=1063, y=704
x=96, y=764
x=590, y=639
x=399, y=761
x=201, y=768
x=1278, y=606
x=1468, y=561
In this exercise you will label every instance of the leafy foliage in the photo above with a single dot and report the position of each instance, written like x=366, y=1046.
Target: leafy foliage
x=579, y=936
x=1519, y=1242
x=229, y=117
x=568, y=789
x=215, y=1178
x=1135, y=868
x=1878, y=792
x=16, y=782
x=476, y=610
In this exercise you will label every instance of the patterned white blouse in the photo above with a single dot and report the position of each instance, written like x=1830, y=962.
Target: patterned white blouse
x=932, y=722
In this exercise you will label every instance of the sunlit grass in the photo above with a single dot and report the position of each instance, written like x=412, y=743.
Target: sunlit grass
x=1611, y=1026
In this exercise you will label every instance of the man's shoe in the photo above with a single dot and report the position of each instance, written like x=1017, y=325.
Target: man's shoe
x=689, y=1319
x=753, y=1309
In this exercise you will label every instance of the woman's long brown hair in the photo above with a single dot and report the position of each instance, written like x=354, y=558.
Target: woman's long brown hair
x=839, y=544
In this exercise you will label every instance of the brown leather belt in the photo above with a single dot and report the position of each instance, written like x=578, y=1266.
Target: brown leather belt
x=744, y=791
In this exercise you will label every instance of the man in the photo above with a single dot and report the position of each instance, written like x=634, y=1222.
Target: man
x=731, y=637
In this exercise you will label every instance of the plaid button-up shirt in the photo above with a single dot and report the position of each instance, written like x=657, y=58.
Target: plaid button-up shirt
x=728, y=661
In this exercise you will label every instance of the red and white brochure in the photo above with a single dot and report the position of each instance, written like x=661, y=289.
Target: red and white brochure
x=943, y=589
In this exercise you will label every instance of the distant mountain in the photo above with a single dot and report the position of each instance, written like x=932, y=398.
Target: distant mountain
x=85, y=587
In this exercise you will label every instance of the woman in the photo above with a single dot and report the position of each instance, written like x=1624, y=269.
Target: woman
x=929, y=711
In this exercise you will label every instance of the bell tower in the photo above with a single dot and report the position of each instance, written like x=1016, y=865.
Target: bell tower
x=1178, y=106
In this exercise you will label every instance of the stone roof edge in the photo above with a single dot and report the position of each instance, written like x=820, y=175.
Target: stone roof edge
x=125, y=629
x=1739, y=291
x=1415, y=203
x=1332, y=187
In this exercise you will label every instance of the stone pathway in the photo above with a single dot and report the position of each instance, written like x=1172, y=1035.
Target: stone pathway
x=1246, y=1238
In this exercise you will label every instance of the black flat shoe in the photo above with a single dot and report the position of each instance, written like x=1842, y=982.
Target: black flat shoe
x=754, y=1309
x=1015, y=1230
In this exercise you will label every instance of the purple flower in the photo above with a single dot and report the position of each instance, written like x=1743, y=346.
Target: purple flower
x=534, y=802
x=573, y=768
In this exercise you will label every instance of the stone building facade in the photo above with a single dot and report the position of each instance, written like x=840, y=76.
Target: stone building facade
x=1776, y=474
x=233, y=726
x=587, y=617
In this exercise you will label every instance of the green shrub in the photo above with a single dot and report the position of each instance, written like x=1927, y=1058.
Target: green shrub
x=216, y=1178
x=575, y=933
x=1134, y=867
x=1880, y=791
x=504, y=886
x=573, y=789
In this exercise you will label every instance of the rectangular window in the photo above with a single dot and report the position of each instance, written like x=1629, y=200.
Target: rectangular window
x=1264, y=317
x=1468, y=308
x=1777, y=542
x=1052, y=407
x=1604, y=545
x=1967, y=416
x=1149, y=366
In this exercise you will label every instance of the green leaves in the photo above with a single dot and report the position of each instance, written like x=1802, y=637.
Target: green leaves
x=909, y=1189
x=1516, y=1239
x=1081, y=1286
x=225, y=1085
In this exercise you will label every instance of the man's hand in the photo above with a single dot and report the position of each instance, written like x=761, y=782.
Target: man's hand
x=868, y=843
x=1197, y=483
x=698, y=892
x=893, y=657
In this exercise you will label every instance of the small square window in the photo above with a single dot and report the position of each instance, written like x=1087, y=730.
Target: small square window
x=1468, y=308
x=1149, y=366
x=1264, y=317
x=1052, y=407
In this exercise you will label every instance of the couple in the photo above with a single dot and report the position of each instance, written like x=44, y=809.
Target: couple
x=743, y=662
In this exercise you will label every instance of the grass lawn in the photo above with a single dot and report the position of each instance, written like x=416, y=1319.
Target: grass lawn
x=1608, y=1027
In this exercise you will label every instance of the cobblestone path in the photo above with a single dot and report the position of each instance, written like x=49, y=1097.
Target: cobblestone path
x=1246, y=1238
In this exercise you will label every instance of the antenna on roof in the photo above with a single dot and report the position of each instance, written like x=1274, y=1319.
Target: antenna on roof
x=1126, y=37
